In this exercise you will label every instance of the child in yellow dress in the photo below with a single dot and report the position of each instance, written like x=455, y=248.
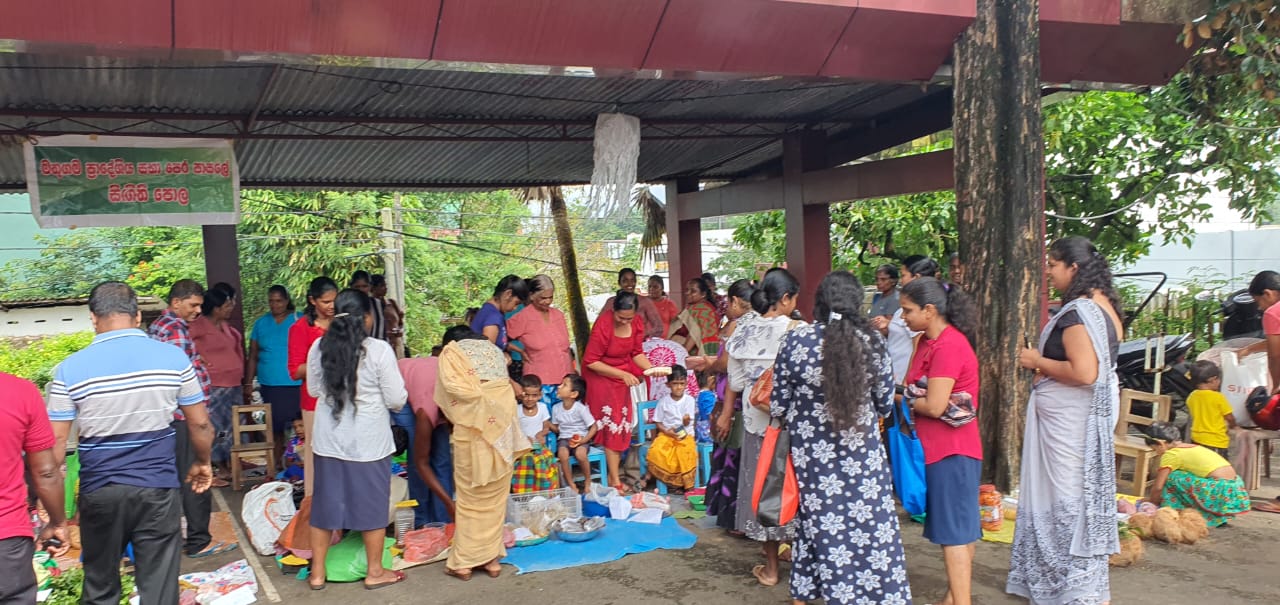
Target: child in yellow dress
x=673, y=456
x=1211, y=414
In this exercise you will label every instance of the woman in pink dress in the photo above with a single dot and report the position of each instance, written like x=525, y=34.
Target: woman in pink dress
x=613, y=363
x=544, y=334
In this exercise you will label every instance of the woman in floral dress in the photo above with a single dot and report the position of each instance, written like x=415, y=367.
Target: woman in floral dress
x=832, y=380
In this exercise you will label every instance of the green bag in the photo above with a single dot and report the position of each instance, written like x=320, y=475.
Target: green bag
x=72, y=484
x=346, y=561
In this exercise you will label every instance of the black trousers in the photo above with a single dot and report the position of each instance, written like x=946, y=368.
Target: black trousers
x=195, y=507
x=149, y=518
x=18, y=582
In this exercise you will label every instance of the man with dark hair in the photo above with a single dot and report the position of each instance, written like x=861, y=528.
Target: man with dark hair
x=885, y=301
x=123, y=389
x=24, y=429
x=361, y=280
x=185, y=298
x=647, y=311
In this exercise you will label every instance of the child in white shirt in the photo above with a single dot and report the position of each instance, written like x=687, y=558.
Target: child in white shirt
x=537, y=470
x=673, y=456
x=573, y=422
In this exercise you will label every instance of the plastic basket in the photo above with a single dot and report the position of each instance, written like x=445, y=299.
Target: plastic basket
x=555, y=500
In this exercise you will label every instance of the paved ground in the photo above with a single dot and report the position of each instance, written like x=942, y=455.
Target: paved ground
x=1236, y=564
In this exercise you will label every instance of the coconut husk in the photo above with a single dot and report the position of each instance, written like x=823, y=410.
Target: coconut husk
x=1166, y=527
x=1141, y=524
x=1131, y=551
x=1193, y=526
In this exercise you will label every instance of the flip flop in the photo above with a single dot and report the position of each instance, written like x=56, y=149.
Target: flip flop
x=399, y=578
x=216, y=549
x=219, y=482
x=319, y=586
x=784, y=552
x=758, y=572
x=493, y=571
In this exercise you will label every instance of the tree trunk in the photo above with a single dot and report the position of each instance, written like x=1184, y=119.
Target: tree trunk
x=999, y=167
x=569, y=264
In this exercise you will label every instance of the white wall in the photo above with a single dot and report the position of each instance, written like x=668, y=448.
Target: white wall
x=1234, y=255
x=45, y=321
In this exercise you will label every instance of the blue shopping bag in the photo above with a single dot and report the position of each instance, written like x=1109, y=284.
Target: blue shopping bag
x=906, y=459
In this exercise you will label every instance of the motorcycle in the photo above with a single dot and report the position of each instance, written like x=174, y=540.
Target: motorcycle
x=1241, y=316
x=1140, y=363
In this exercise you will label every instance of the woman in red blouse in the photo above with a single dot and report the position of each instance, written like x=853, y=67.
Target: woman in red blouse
x=944, y=362
x=315, y=321
x=614, y=362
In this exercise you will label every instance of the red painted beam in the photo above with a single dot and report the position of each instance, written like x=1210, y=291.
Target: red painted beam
x=898, y=176
x=368, y=28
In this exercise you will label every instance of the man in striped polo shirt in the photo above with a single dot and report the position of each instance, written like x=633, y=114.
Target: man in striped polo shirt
x=123, y=389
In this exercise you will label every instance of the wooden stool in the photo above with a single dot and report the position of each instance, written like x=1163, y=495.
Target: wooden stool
x=260, y=442
x=1134, y=446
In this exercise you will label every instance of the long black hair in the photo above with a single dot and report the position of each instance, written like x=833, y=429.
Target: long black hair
x=319, y=287
x=950, y=301
x=342, y=347
x=1092, y=271
x=1263, y=281
x=920, y=265
x=282, y=291
x=213, y=298
x=516, y=284
x=846, y=357
x=777, y=283
x=741, y=290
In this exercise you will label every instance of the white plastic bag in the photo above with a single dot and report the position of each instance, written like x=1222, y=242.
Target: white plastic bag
x=268, y=508
x=600, y=494
x=1239, y=378
x=619, y=507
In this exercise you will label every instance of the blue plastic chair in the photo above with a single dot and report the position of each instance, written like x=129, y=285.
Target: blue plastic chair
x=704, y=464
x=595, y=455
x=645, y=425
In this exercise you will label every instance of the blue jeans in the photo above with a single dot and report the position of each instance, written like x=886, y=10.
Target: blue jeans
x=430, y=508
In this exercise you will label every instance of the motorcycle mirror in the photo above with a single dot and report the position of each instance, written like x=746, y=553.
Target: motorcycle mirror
x=1204, y=296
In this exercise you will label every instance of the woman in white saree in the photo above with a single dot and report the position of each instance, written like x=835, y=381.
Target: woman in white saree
x=1066, y=526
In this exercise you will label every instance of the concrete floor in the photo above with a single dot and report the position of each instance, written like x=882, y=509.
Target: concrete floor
x=1236, y=564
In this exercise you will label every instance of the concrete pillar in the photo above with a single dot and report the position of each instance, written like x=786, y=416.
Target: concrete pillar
x=222, y=264
x=684, y=241
x=808, y=227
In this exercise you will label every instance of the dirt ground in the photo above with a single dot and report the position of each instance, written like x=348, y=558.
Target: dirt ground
x=1234, y=565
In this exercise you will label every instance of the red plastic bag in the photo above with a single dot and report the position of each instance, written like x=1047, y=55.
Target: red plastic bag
x=775, y=497
x=425, y=544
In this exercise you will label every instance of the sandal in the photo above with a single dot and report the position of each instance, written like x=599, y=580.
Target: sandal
x=493, y=568
x=623, y=490
x=399, y=575
x=758, y=572
x=319, y=586
x=463, y=574
x=215, y=548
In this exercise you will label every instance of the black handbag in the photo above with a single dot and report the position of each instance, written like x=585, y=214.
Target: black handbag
x=400, y=436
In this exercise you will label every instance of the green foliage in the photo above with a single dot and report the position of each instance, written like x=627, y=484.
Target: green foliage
x=1177, y=309
x=67, y=586
x=1116, y=156
x=36, y=361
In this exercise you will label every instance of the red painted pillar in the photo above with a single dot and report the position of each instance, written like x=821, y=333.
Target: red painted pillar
x=684, y=241
x=222, y=264
x=808, y=227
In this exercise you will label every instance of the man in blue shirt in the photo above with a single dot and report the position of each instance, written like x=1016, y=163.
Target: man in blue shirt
x=123, y=389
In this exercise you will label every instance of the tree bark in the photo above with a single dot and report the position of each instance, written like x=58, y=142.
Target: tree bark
x=579, y=323
x=999, y=168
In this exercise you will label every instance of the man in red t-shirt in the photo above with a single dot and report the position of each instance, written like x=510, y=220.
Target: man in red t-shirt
x=25, y=428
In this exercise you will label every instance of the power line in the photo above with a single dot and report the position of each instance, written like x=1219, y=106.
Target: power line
x=430, y=239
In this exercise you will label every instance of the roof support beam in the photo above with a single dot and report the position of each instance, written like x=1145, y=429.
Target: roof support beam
x=897, y=176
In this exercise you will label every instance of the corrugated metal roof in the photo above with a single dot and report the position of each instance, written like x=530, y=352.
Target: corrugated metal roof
x=95, y=91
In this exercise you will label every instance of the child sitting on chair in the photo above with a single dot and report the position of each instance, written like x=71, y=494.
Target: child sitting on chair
x=673, y=457
x=1211, y=414
x=575, y=425
x=537, y=470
